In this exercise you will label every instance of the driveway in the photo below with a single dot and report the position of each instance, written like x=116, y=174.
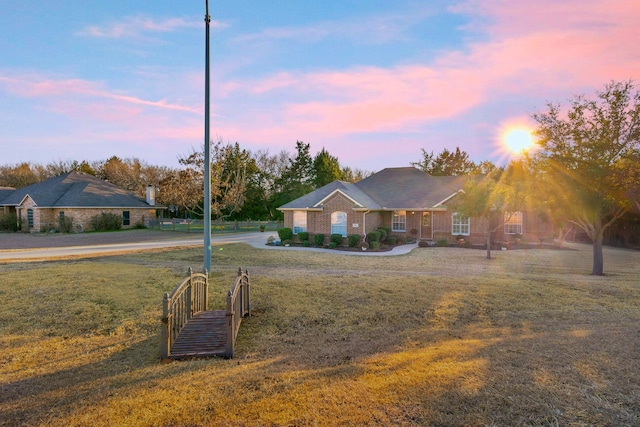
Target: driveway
x=37, y=247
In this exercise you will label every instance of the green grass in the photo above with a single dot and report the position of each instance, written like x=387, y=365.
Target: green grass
x=441, y=336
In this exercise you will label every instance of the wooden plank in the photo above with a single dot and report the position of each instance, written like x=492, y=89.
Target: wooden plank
x=205, y=335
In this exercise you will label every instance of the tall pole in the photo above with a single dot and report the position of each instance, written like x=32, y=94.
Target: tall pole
x=207, y=151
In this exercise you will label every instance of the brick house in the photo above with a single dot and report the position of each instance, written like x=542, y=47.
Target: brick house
x=411, y=203
x=78, y=196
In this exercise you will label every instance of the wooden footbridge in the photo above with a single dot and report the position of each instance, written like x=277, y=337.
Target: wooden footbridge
x=190, y=329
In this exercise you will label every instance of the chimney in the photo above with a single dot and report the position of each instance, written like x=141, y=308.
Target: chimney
x=151, y=195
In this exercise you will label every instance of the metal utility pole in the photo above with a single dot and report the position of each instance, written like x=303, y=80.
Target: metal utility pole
x=207, y=151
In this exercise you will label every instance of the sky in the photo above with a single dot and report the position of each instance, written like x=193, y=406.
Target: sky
x=373, y=82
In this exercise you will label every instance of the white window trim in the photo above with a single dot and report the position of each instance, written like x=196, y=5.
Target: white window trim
x=299, y=226
x=334, y=216
x=460, y=224
x=394, y=224
x=513, y=220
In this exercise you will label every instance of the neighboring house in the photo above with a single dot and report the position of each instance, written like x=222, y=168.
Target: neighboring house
x=411, y=203
x=76, y=195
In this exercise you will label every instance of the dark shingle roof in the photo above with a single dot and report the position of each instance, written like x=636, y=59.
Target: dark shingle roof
x=76, y=190
x=314, y=198
x=391, y=188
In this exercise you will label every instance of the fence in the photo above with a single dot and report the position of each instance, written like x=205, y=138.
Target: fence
x=197, y=225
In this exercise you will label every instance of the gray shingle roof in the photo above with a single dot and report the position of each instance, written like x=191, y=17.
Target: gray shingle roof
x=391, y=188
x=76, y=190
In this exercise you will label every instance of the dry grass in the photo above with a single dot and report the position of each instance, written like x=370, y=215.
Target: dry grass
x=438, y=337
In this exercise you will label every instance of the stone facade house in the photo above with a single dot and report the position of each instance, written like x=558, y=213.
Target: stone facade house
x=409, y=202
x=75, y=195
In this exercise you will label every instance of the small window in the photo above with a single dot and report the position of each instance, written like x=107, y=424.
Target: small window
x=513, y=223
x=61, y=215
x=30, y=218
x=399, y=221
x=126, y=219
x=460, y=224
x=339, y=223
x=299, y=221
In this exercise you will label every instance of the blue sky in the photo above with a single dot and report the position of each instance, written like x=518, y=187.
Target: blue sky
x=373, y=82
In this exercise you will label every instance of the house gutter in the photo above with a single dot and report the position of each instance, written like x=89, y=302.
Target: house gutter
x=364, y=223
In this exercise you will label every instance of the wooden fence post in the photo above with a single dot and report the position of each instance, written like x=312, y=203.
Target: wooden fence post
x=165, y=333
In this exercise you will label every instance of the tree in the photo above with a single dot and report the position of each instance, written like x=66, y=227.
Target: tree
x=297, y=179
x=326, y=168
x=588, y=159
x=447, y=163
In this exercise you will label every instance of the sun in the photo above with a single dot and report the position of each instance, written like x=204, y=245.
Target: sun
x=518, y=140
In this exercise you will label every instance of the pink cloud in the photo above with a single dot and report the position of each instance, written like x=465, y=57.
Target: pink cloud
x=136, y=26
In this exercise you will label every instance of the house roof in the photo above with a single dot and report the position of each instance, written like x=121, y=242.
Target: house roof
x=75, y=190
x=390, y=189
x=316, y=198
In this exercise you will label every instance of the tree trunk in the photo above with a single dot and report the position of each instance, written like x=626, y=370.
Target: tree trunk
x=488, y=245
x=598, y=260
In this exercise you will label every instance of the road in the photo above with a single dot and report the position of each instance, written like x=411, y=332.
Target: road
x=257, y=240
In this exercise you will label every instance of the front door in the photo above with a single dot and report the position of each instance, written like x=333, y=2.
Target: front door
x=425, y=232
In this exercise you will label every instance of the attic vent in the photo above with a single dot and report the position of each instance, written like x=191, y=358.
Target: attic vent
x=151, y=195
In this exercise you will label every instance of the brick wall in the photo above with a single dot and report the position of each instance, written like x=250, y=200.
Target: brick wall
x=49, y=218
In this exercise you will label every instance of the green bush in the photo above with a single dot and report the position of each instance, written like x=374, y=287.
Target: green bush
x=383, y=234
x=373, y=236
x=392, y=240
x=303, y=235
x=375, y=245
x=306, y=243
x=336, y=238
x=9, y=222
x=332, y=245
x=318, y=239
x=106, y=222
x=285, y=234
x=353, y=239
x=442, y=243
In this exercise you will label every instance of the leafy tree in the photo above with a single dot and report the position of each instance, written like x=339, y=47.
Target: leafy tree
x=326, y=168
x=354, y=175
x=297, y=179
x=501, y=191
x=447, y=163
x=588, y=161
x=20, y=175
x=184, y=189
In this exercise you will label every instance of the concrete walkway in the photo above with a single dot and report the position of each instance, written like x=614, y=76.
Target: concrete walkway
x=256, y=240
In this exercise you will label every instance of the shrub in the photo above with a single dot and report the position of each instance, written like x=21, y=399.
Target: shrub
x=306, y=243
x=65, y=224
x=106, y=222
x=383, y=234
x=375, y=245
x=286, y=242
x=364, y=245
x=270, y=240
x=303, y=235
x=336, y=238
x=442, y=243
x=353, y=239
x=9, y=222
x=332, y=245
x=392, y=240
x=318, y=239
x=373, y=236
x=423, y=244
x=285, y=234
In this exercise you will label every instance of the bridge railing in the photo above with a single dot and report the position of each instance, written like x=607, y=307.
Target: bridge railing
x=238, y=307
x=190, y=297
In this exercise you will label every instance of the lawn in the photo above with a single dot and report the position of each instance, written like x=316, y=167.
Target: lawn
x=441, y=336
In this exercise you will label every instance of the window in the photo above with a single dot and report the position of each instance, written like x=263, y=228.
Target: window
x=30, y=218
x=126, y=219
x=299, y=221
x=339, y=223
x=61, y=216
x=513, y=223
x=460, y=224
x=399, y=221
